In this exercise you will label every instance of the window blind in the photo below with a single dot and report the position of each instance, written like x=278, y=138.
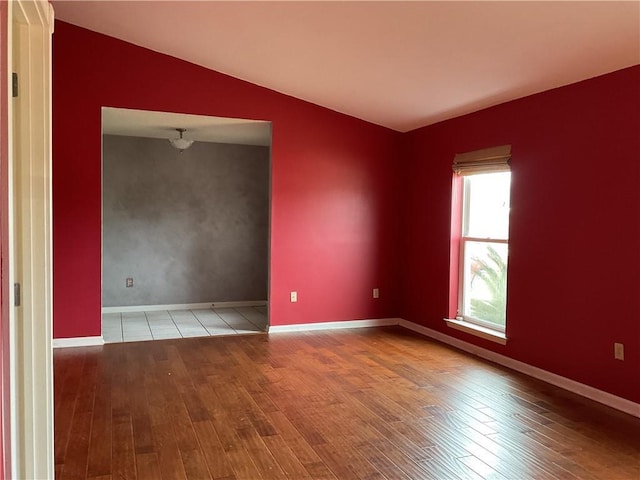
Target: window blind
x=494, y=159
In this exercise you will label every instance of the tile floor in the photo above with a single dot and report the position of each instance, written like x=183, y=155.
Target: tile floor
x=157, y=325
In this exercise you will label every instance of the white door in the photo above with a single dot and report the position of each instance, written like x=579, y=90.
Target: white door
x=30, y=322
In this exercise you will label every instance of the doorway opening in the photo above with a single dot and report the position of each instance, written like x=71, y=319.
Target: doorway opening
x=185, y=226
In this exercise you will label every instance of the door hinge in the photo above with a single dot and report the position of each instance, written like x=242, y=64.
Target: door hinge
x=16, y=294
x=14, y=84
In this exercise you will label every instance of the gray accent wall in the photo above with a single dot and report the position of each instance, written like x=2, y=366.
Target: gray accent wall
x=188, y=227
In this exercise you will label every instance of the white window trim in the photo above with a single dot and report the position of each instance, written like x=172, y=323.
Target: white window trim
x=477, y=330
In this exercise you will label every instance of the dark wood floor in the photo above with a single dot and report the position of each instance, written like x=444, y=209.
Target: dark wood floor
x=351, y=404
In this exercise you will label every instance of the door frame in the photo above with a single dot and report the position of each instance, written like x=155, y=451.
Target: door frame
x=29, y=418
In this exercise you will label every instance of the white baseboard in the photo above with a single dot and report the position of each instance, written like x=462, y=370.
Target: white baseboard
x=306, y=327
x=587, y=391
x=183, y=306
x=78, y=342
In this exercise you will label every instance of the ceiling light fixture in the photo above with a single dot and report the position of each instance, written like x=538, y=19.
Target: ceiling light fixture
x=181, y=143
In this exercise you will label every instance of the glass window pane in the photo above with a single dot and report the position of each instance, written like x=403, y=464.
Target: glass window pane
x=485, y=282
x=487, y=202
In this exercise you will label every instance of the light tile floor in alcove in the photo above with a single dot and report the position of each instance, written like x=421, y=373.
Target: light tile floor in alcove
x=160, y=325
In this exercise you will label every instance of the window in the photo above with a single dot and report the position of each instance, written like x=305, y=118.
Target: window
x=480, y=241
x=483, y=249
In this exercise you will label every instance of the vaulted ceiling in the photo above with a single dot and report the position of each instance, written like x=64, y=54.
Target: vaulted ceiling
x=398, y=64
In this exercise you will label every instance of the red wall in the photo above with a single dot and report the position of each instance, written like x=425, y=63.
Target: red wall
x=574, y=263
x=334, y=205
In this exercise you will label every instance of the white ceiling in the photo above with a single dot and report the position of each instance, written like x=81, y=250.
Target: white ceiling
x=398, y=64
x=141, y=123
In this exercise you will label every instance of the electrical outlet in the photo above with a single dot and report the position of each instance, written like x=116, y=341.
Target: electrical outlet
x=618, y=351
x=294, y=297
x=129, y=282
x=376, y=293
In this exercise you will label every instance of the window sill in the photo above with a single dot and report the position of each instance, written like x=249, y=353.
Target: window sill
x=477, y=330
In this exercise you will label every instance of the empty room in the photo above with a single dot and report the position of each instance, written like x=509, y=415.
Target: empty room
x=427, y=269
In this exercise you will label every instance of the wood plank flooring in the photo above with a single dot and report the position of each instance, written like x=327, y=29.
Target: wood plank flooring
x=379, y=403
